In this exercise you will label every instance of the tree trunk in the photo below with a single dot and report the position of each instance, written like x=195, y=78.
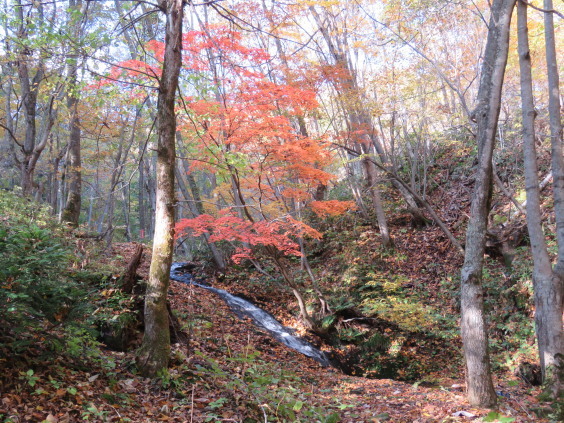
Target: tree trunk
x=126, y=209
x=71, y=212
x=109, y=205
x=324, y=308
x=304, y=314
x=29, y=92
x=558, y=193
x=151, y=194
x=129, y=278
x=217, y=256
x=141, y=198
x=371, y=181
x=153, y=354
x=555, y=132
x=427, y=206
x=473, y=326
x=547, y=284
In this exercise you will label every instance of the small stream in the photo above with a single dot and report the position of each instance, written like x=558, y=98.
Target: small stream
x=260, y=317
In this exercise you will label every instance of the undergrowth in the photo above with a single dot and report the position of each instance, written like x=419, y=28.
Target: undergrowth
x=52, y=308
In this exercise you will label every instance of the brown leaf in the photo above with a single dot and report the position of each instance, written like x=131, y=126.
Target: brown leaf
x=51, y=419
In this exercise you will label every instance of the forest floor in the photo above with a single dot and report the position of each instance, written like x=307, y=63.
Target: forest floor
x=231, y=371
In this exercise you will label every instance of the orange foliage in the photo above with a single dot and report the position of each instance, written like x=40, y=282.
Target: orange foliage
x=331, y=207
x=228, y=226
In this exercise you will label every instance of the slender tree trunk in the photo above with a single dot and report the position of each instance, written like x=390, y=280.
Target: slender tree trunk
x=126, y=210
x=217, y=256
x=306, y=318
x=473, y=325
x=371, y=181
x=141, y=198
x=90, y=207
x=427, y=206
x=153, y=354
x=324, y=308
x=192, y=195
x=547, y=283
x=353, y=183
x=54, y=186
x=108, y=207
x=8, y=88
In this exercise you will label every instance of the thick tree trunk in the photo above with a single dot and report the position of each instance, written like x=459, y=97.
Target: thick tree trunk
x=130, y=275
x=553, y=293
x=31, y=150
x=153, y=354
x=71, y=212
x=555, y=132
x=473, y=326
x=547, y=284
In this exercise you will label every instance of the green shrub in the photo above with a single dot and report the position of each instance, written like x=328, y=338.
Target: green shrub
x=35, y=291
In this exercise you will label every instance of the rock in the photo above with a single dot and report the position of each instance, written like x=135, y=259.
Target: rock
x=463, y=414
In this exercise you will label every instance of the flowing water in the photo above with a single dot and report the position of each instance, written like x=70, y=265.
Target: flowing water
x=242, y=307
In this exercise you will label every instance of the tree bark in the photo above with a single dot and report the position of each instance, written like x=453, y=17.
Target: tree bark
x=547, y=283
x=130, y=275
x=153, y=355
x=71, y=212
x=31, y=149
x=473, y=325
x=554, y=354
x=304, y=314
x=371, y=181
x=555, y=133
x=141, y=198
x=217, y=255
